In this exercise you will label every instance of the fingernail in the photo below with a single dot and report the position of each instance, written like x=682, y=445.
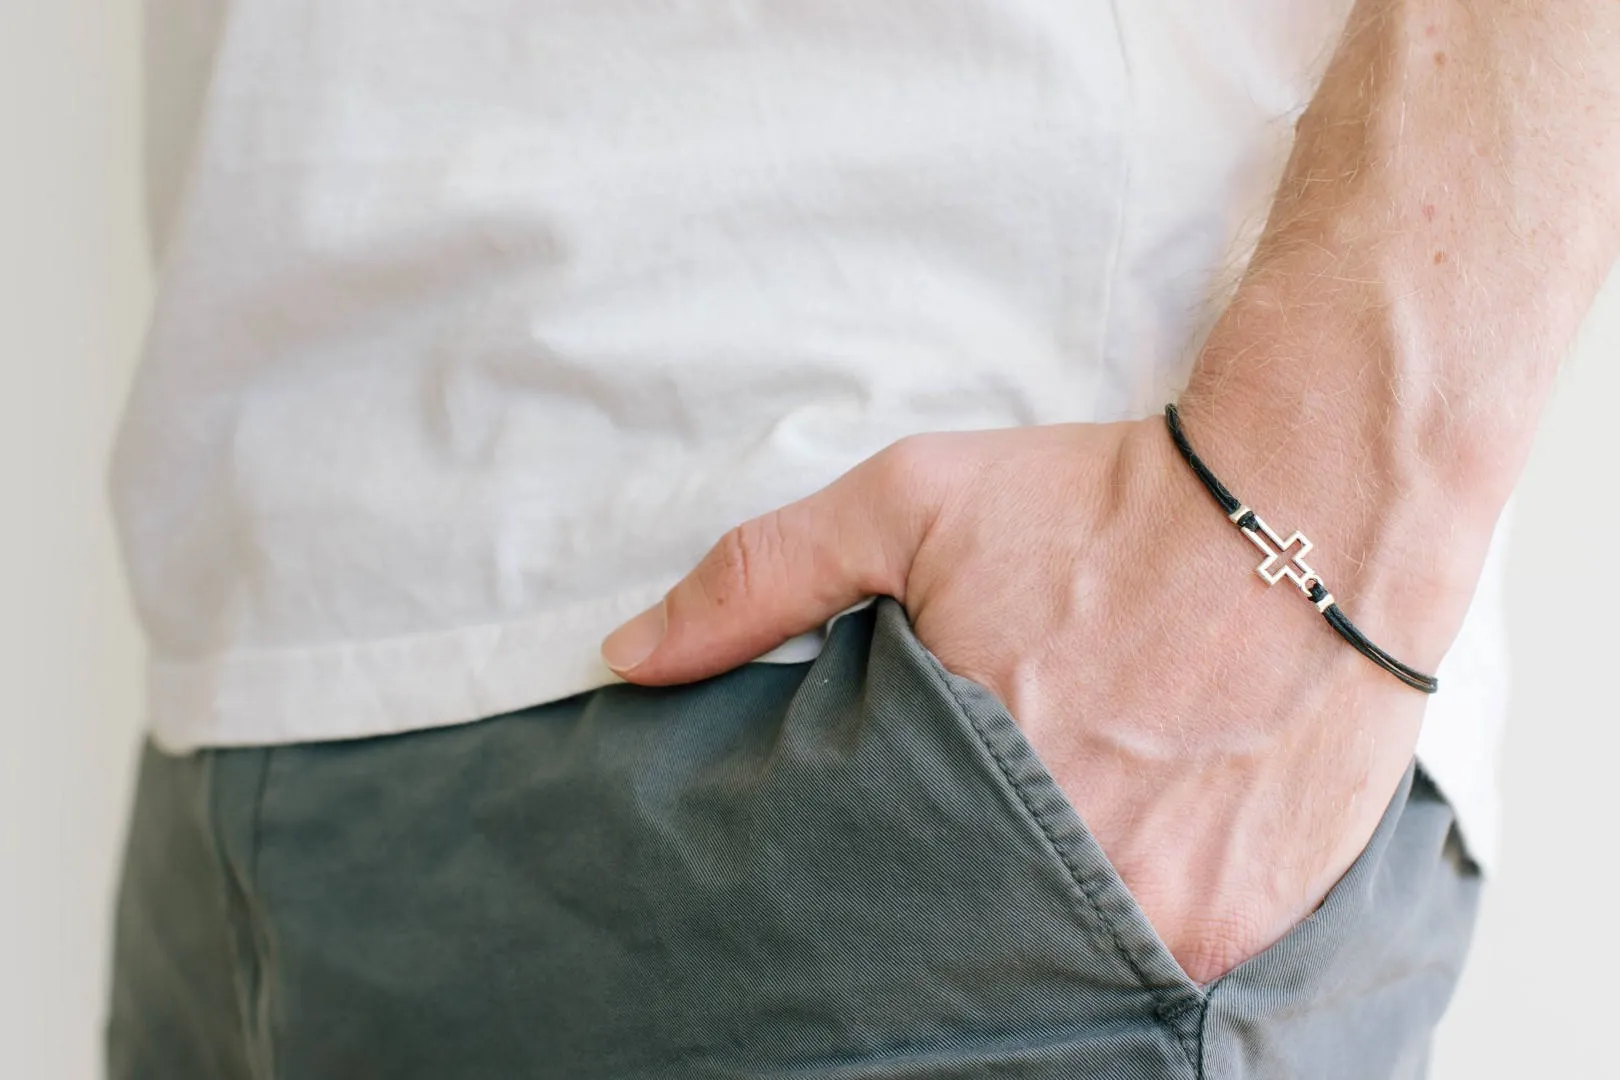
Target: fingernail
x=633, y=642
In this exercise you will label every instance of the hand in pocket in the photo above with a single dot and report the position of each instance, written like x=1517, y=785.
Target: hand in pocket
x=1231, y=755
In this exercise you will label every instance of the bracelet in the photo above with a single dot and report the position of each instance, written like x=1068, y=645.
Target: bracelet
x=1278, y=563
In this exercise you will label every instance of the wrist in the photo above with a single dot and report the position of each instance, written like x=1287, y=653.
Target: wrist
x=1321, y=429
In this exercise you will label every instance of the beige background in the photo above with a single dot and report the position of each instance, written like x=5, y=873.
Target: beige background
x=73, y=291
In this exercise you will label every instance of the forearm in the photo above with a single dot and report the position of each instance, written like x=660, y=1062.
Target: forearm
x=1450, y=209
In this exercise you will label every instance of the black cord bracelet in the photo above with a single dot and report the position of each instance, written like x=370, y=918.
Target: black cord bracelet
x=1278, y=563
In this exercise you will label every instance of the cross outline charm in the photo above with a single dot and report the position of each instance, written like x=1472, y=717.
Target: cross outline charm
x=1303, y=577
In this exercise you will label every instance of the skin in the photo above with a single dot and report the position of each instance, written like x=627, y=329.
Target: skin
x=1450, y=209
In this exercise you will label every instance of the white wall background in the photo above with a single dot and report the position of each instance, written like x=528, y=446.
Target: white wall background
x=1533, y=1001
x=73, y=292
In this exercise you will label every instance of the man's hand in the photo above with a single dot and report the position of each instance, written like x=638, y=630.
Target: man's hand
x=1448, y=213
x=1231, y=755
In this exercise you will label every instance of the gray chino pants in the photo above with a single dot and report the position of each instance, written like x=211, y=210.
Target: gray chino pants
x=852, y=869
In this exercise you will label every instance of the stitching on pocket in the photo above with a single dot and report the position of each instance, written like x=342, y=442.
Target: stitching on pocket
x=1177, y=1003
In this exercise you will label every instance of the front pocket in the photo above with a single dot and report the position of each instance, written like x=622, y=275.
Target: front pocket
x=973, y=724
x=1038, y=798
x=1409, y=876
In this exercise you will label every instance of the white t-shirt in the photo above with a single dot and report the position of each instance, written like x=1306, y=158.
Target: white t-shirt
x=480, y=322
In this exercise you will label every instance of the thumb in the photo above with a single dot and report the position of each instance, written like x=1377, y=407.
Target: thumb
x=783, y=573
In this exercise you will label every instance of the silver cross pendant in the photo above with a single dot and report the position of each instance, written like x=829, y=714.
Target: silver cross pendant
x=1278, y=562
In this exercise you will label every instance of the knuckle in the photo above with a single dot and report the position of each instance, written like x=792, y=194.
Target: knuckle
x=912, y=482
x=913, y=479
x=741, y=563
x=911, y=465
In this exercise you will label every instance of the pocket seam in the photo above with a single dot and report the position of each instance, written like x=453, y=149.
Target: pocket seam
x=1173, y=1002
